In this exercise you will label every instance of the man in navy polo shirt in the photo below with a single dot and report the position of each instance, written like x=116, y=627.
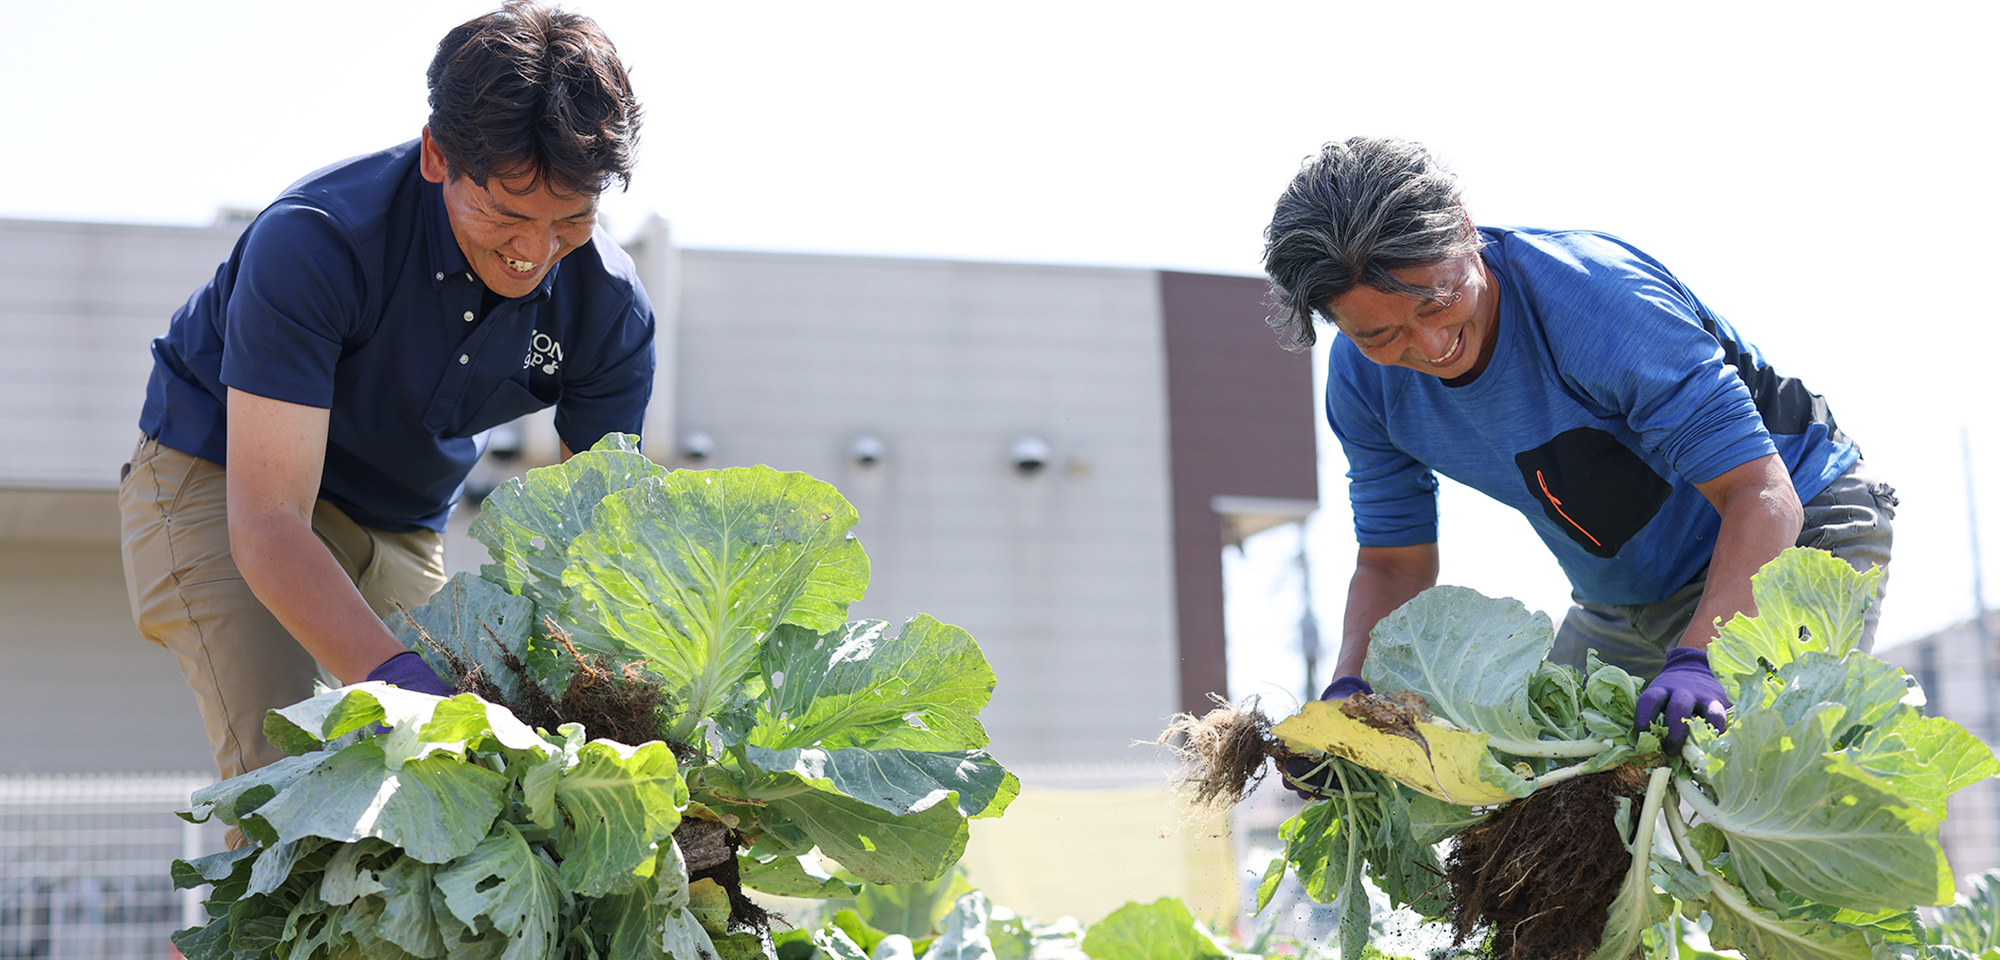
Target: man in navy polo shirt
x=314, y=409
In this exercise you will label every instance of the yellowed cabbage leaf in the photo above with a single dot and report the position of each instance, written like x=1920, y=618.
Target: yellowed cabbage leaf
x=1447, y=770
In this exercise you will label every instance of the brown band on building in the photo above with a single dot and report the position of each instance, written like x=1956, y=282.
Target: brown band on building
x=1240, y=424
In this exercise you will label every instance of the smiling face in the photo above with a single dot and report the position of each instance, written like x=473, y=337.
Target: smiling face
x=510, y=238
x=1447, y=335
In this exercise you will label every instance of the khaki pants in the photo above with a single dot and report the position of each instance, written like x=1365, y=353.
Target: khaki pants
x=188, y=596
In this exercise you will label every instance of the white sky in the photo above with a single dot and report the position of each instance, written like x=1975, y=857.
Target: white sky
x=1821, y=174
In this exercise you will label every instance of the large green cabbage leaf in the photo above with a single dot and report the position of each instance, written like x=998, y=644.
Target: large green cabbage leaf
x=873, y=843
x=1807, y=600
x=618, y=802
x=693, y=571
x=1791, y=817
x=508, y=885
x=527, y=524
x=860, y=686
x=1472, y=658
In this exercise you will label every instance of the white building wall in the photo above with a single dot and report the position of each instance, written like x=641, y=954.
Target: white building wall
x=1065, y=577
x=79, y=305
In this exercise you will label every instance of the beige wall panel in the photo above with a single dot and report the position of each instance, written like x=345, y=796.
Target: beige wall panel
x=79, y=305
x=82, y=691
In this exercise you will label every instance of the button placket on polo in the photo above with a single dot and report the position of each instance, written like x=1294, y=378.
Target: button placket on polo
x=459, y=312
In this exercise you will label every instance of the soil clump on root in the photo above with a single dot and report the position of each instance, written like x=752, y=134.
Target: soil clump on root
x=611, y=701
x=1542, y=873
x=709, y=849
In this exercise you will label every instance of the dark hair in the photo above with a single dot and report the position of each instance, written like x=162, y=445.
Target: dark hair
x=1356, y=211
x=529, y=89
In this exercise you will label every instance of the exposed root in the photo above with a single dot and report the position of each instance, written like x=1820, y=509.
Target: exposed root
x=1542, y=873
x=610, y=701
x=709, y=848
x=1222, y=753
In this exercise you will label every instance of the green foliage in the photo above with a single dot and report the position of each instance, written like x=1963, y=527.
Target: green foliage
x=1816, y=814
x=1161, y=930
x=915, y=910
x=411, y=825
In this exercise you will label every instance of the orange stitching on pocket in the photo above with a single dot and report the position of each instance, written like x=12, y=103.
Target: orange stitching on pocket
x=1558, y=504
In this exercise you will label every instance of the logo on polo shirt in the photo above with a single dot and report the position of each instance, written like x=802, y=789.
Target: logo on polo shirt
x=545, y=353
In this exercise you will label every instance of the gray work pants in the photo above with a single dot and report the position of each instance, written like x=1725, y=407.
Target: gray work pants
x=1850, y=519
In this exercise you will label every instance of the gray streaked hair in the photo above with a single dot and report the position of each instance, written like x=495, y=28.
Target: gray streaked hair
x=1356, y=211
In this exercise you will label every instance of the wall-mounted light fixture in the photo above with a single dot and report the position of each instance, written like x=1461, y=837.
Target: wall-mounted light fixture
x=1030, y=454
x=697, y=446
x=867, y=450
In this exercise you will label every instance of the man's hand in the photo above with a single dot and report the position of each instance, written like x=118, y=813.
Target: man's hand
x=1296, y=768
x=409, y=671
x=1684, y=689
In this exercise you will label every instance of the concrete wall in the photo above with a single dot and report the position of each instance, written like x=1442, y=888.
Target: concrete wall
x=79, y=304
x=81, y=691
x=1064, y=576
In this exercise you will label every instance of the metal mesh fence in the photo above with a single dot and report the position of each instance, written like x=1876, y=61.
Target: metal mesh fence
x=84, y=865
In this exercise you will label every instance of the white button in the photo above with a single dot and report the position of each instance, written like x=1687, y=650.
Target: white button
x=468, y=316
x=440, y=275
x=464, y=358
x=468, y=276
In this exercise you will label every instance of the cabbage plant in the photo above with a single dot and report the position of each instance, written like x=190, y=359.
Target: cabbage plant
x=704, y=609
x=1808, y=829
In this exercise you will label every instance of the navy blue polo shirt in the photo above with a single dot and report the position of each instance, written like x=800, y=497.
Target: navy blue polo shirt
x=350, y=293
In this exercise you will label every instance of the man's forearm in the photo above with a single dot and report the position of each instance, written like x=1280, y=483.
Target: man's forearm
x=291, y=572
x=1761, y=516
x=1384, y=579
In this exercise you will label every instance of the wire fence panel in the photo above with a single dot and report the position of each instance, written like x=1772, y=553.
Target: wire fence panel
x=84, y=865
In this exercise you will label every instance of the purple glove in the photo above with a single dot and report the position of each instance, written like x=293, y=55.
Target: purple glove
x=1685, y=688
x=1297, y=767
x=409, y=671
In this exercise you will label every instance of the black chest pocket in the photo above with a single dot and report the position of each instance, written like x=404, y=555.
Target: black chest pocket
x=1596, y=489
x=509, y=401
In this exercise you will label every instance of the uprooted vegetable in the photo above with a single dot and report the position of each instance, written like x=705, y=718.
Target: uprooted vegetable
x=1815, y=816
x=701, y=614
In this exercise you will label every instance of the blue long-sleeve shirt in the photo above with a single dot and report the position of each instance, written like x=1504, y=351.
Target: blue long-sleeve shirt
x=1611, y=392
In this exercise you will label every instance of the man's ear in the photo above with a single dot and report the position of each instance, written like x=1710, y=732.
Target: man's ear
x=430, y=160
